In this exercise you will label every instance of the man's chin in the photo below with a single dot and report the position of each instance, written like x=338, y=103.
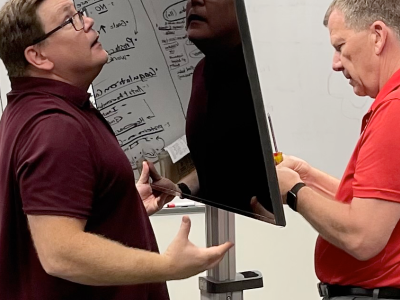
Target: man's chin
x=359, y=92
x=199, y=34
x=104, y=59
x=195, y=37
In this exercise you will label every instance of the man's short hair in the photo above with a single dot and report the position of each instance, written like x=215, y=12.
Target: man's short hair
x=360, y=14
x=19, y=27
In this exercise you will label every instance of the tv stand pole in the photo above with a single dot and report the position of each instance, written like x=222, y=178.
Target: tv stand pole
x=222, y=282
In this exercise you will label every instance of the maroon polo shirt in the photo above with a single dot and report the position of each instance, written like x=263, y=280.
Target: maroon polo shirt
x=59, y=156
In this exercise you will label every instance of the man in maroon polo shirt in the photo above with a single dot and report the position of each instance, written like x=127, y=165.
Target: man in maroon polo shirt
x=358, y=249
x=72, y=223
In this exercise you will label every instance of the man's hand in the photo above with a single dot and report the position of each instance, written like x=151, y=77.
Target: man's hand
x=319, y=181
x=185, y=259
x=153, y=200
x=287, y=178
x=298, y=165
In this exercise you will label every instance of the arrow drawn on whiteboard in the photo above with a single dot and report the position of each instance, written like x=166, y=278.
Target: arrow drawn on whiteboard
x=134, y=17
x=149, y=117
x=102, y=27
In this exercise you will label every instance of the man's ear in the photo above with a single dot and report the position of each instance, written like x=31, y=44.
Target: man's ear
x=37, y=59
x=379, y=32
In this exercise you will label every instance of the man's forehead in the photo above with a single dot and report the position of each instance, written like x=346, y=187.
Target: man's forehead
x=66, y=7
x=336, y=20
x=56, y=7
x=52, y=10
x=337, y=25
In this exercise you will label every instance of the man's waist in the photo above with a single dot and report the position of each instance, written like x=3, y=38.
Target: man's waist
x=331, y=290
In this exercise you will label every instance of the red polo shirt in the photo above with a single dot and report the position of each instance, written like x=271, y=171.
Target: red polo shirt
x=59, y=156
x=373, y=172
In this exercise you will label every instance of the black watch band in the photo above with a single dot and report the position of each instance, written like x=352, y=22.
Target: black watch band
x=184, y=188
x=291, y=198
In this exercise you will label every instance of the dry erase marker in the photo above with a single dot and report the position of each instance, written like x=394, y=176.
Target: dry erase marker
x=277, y=155
x=181, y=204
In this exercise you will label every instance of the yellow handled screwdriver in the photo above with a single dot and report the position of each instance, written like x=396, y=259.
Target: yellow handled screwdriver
x=278, y=157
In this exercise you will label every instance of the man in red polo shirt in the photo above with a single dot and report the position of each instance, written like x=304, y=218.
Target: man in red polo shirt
x=72, y=223
x=358, y=249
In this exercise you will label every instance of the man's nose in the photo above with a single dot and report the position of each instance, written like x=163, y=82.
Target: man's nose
x=89, y=22
x=337, y=62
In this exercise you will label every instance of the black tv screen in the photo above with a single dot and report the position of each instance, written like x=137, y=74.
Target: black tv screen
x=181, y=90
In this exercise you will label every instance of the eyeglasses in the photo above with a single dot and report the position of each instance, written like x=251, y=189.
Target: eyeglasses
x=76, y=20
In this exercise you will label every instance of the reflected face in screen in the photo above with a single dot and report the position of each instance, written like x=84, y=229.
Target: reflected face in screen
x=71, y=51
x=221, y=122
x=354, y=56
x=212, y=21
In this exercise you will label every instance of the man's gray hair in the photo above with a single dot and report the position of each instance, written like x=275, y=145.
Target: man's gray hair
x=360, y=14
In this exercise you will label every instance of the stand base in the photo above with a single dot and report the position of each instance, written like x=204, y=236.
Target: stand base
x=244, y=281
x=222, y=282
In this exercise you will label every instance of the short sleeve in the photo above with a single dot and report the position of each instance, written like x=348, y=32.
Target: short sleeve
x=377, y=173
x=55, y=169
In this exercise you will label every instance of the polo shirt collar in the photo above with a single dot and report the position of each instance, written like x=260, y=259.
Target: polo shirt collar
x=392, y=84
x=57, y=88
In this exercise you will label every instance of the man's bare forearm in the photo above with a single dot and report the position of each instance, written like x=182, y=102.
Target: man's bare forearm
x=362, y=228
x=330, y=218
x=93, y=260
x=65, y=250
x=323, y=183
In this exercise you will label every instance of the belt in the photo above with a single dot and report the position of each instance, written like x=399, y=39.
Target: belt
x=329, y=290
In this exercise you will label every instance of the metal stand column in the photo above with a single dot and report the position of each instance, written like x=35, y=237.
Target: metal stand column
x=222, y=282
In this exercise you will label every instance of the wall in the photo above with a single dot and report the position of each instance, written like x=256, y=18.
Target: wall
x=316, y=117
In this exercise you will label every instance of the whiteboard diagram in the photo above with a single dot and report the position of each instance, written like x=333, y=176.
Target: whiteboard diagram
x=144, y=89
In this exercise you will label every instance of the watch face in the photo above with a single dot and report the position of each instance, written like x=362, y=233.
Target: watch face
x=291, y=200
x=291, y=196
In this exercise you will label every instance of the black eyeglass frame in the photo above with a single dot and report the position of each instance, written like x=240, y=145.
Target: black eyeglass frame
x=82, y=13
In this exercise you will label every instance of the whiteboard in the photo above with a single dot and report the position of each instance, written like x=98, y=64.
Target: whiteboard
x=4, y=87
x=4, y=81
x=154, y=62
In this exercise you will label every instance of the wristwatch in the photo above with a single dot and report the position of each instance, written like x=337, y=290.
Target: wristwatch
x=291, y=197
